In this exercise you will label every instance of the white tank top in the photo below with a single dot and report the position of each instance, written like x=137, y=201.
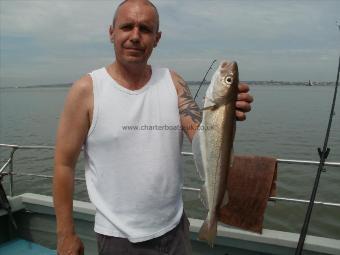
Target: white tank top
x=133, y=157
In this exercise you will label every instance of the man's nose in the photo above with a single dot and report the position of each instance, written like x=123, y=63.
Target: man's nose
x=135, y=35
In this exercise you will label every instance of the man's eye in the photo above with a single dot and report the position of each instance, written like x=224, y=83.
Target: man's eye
x=145, y=29
x=126, y=27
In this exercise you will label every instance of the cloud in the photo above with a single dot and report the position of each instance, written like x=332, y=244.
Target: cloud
x=235, y=21
x=72, y=37
x=62, y=21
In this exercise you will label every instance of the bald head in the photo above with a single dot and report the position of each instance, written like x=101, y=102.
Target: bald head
x=146, y=2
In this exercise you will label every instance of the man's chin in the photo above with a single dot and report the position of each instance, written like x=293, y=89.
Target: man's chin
x=134, y=60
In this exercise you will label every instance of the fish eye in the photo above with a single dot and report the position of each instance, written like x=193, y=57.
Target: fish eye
x=228, y=80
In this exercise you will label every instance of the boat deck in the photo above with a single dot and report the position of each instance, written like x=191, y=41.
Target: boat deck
x=24, y=247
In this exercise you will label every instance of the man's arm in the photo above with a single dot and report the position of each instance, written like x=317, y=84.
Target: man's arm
x=191, y=115
x=72, y=131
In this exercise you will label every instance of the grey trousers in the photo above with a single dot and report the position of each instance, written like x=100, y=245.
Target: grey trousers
x=175, y=242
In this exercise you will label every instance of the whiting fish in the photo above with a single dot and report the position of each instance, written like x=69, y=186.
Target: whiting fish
x=213, y=142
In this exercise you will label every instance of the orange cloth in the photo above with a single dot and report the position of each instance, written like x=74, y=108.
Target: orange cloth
x=251, y=181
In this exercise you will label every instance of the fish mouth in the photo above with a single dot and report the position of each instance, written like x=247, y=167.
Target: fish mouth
x=228, y=65
x=225, y=64
x=228, y=70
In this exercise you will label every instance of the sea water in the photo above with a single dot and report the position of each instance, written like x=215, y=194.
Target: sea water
x=287, y=121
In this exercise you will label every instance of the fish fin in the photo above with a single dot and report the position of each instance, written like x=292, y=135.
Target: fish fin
x=203, y=195
x=208, y=231
x=231, y=157
x=226, y=196
x=232, y=148
x=225, y=199
x=211, y=107
x=196, y=149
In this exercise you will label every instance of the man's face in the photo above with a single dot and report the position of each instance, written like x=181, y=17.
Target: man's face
x=134, y=33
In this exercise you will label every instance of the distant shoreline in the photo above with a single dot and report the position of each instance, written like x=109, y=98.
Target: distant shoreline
x=192, y=83
x=63, y=85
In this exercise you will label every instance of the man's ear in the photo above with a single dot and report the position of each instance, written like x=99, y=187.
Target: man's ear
x=111, y=33
x=158, y=37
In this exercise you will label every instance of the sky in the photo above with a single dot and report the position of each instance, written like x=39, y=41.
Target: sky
x=53, y=42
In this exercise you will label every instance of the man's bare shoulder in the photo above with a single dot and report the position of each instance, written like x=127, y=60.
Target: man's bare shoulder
x=80, y=95
x=83, y=86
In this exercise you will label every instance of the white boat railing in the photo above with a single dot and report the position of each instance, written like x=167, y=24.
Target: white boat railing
x=9, y=164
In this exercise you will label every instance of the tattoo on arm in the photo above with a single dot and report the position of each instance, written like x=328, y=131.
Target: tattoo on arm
x=187, y=106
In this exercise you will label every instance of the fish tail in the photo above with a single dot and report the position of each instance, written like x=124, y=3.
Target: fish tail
x=208, y=231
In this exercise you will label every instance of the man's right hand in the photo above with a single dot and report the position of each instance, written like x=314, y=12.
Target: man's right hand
x=70, y=245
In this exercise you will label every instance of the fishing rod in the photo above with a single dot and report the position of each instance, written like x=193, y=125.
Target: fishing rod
x=204, y=79
x=323, y=155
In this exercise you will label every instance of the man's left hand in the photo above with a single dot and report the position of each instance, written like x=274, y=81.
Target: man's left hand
x=244, y=100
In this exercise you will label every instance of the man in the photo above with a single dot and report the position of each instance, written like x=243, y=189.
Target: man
x=133, y=177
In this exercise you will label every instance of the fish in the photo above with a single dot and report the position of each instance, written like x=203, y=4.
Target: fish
x=212, y=144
